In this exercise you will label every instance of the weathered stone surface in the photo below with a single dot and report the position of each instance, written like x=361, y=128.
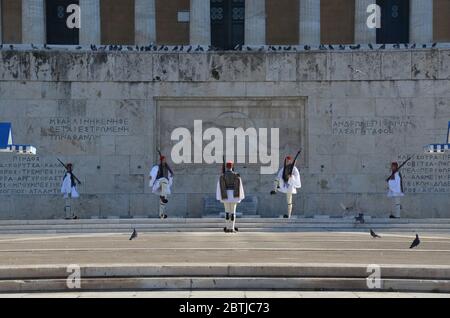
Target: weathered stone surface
x=396, y=65
x=166, y=67
x=425, y=64
x=129, y=183
x=133, y=67
x=352, y=113
x=340, y=66
x=193, y=67
x=366, y=66
x=237, y=67
x=117, y=205
x=42, y=66
x=14, y=65
x=281, y=67
x=444, y=67
x=100, y=66
x=144, y=205
x=312, y=67
x=71, y=67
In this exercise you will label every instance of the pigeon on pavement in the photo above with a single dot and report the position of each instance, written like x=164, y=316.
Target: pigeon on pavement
x=416, y=242
x=133, y=235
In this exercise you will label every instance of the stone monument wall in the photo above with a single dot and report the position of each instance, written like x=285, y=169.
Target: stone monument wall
x=352, y=113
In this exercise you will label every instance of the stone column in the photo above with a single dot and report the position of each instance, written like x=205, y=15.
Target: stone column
x=255, y=22
x=309, y=22
x=363, y=34
x=1, y=32
x=145, y=22
x=200, y=22
x=90, y=22
x=421, y=21
x=33, y=22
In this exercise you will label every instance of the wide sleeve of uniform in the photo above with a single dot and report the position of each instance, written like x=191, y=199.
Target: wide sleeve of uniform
x=241, y=190
x=170, y=179
x=153, y=174
x=297, y=183
x=218, y=192
x=74, y=193
x=66, y=186
x=280, y=174
x=395, y=187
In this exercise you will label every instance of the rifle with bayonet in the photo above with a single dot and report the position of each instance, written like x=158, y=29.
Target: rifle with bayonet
x=65, y=166
x=398, y=169
x=289, y=168
x=223, y=164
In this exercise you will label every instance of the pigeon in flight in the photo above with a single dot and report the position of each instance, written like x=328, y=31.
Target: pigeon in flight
x=133, y=235
x=416, y=242
x=373, y=234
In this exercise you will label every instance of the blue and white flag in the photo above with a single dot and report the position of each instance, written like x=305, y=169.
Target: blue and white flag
x=6, y=142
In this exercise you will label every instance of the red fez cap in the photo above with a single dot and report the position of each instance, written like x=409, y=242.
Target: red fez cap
x=230, y=164
x=288, y=158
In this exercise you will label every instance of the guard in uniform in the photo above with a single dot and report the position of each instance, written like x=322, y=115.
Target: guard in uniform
x=161, y=179
x=395, y=192
x=287, y=181
x=69, y=191
x=230, y=192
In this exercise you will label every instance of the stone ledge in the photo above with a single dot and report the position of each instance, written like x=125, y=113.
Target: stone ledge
x=317, y=65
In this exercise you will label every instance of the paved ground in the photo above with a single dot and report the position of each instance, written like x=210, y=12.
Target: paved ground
x=226, y=294
x=306, y=247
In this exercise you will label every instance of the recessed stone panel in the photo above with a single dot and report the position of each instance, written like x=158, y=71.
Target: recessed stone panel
x=220, y=117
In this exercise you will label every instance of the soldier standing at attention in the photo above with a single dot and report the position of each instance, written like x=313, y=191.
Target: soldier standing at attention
x=230, y=192
x=395, y=192
x=69, y=190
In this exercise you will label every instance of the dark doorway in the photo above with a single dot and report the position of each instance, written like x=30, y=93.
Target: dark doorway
x=227, y=23
x=394, y=21
x=56, y=22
